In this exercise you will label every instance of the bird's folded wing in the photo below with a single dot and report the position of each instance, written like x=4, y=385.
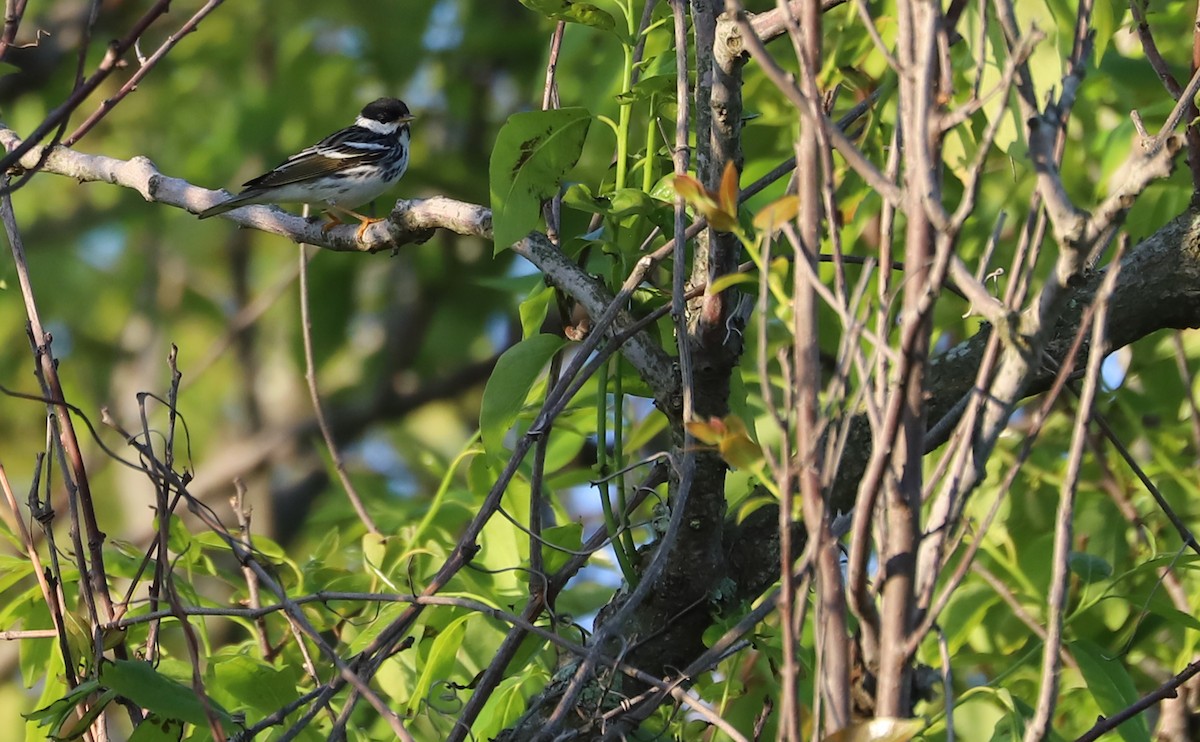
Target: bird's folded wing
x=339, y=151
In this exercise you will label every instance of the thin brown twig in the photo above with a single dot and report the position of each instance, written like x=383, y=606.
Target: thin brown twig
x=681, y=159
x=59, y=115
x=70, y=453
x=947, y=682
x=148, y=64
x=242, y=512
x=1160, y=66
x=85, y=35
x=853, y=155
x=1014, y=604
x=1039, y=419
x=52, y=596
x=310, y=378
x=192, y=642
x=160, y=583
x=247, y=557
x=14, y=11
x=1056, y=603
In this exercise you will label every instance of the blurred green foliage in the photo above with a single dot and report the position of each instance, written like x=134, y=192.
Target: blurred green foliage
x=119, y=280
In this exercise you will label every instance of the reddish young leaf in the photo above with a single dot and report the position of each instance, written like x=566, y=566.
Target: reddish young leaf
x=729, y=190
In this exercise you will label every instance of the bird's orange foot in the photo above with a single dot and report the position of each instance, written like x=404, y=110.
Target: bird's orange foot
x=333, y=222
x=362, y=228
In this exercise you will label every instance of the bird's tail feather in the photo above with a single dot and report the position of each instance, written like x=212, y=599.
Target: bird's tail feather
x=242, y=199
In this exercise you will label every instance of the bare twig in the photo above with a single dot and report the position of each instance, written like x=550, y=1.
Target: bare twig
x=59, y=115
x=1039, y=725
x=83, y=510
x=310, y=378
x=146, y=65
x=14, y=11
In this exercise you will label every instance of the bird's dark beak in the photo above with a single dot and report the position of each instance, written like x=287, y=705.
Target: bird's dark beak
x=406, y=119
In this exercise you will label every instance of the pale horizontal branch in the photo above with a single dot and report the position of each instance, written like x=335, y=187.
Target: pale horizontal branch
x=411, y=220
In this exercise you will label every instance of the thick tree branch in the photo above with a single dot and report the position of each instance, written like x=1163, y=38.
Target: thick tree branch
x=1159, y=288
x=410, y=221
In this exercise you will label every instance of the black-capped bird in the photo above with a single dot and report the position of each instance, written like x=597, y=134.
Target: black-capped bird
x=348, y=168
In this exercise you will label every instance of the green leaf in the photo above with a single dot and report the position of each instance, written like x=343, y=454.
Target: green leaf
x=730, y=279
x=621, y=204
x=38, y=657
x=629, y=201
x=55, y=712
x=443, y=656
x=579, y=196
x=657, y=79
x=369, y=632
x=75, y=726
x=243, y=681
x=1089, y=567
x=13, y=570
x=505, y=705
x=572, y=12
x=374, y=546
x=506, y=390
x=1111, y=686
x=533, y=151
x=155, y=728
x=533, y=310
x=142, y=684
x=1105, y=17
x=566, y=536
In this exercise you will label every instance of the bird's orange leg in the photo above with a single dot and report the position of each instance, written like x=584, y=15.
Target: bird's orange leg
x=333, y=221
x=365, y=221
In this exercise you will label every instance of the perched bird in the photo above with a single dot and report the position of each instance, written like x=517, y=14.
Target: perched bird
x=345, y=169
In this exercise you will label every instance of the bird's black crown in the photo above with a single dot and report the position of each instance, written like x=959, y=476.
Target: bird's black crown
x=386, y=111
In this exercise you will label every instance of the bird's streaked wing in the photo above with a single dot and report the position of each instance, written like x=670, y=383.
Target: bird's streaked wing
x=343, y=149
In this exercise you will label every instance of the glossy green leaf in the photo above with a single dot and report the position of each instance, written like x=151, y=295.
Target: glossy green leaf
x=441, y=661
x=505, y=704
x=37, y=656
x=1111, y=685
x=75, y=726
x=241, y=681
x=534, y=309
x=504, y=396
x=156, y=728
x=54, y=712
x=145, y=686
x=572, y=12
x=568, y=536
x=13, y=570
x=1089, y=567
x=532, y=154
